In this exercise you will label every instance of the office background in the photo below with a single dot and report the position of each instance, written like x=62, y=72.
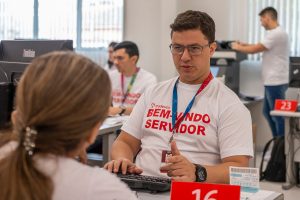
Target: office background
x=147, y=23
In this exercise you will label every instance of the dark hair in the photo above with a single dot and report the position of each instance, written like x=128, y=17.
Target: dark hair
x=130, y=48
x=55, y=96
x=270, y=11
x=112, y=44
x=195, y=20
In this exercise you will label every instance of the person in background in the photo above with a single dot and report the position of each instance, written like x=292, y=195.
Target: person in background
x=275, y=65
x=110, y=62
x=191, y=127
x=58, y=114
x=129, y=81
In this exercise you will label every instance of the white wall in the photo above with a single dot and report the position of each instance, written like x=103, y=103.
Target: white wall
x=147, y=23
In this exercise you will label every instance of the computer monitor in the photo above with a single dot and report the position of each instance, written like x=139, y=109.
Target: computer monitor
x=15, y=55
x=10, y=74
x=25, y=50
x=11, y=71
x=230, y=74
x=294, y=75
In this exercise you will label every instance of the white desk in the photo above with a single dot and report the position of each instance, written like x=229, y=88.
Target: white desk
x=260, y=195
x=289, y=147
x=108, y=131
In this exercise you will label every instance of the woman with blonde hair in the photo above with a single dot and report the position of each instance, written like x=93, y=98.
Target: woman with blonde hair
x=61, y=101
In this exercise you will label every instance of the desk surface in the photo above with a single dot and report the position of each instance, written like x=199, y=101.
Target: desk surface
x=251, y=100
x=285, y=113
x=111, y=124
x=260, y=195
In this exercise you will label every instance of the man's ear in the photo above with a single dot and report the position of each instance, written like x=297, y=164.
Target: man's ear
x=134, y=59
x=212, y=48
x=14, y=116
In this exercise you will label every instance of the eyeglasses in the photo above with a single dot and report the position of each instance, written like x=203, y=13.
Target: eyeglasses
x=193, y=50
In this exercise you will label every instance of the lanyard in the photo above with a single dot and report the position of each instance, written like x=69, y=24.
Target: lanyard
x=129, y=85
x=175, y=124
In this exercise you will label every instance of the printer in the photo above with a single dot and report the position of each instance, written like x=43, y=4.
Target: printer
x=227, y=64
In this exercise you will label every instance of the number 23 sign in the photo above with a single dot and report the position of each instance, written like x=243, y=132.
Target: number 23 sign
x=204, y=191
x=286, y=105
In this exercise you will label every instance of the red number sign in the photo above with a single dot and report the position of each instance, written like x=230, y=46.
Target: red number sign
x=286, y=105
x=204, y=191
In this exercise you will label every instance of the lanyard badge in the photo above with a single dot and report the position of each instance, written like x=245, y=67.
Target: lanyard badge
x=175, y=124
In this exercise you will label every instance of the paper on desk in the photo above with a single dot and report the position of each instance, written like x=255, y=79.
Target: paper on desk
x=247, y=178
x=115, y=120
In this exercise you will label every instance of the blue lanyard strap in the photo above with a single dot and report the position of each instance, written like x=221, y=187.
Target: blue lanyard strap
x=175, y=124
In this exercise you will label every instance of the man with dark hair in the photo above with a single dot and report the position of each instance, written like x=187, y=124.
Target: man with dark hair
x=275, y=65
x=110, y=62
x=269, y=11
x=129, y=81
x=191, y=127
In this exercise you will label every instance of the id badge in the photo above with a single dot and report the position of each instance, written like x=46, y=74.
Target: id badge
x=165, y=154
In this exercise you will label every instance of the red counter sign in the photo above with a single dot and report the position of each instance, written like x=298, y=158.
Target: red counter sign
x=204, y=191
x=286, y=105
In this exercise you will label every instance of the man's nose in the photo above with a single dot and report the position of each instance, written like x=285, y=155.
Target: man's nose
x=185, y=55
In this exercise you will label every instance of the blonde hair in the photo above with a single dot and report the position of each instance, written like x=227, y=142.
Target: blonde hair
x=62, y=95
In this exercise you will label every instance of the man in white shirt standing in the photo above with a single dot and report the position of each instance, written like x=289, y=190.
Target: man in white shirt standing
x=191, y=127
x=129, y=81
x=275, y=65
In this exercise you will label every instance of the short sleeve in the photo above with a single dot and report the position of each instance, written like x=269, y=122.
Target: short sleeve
x=133, y=125
x=235, y=131
x=269, y=41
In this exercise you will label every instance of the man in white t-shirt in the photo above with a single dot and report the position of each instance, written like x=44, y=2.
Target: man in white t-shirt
x=191, y=127
x=129, y=81
x=275, y=65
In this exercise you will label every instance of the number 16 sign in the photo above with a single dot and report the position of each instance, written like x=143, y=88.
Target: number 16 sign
x=204, y=191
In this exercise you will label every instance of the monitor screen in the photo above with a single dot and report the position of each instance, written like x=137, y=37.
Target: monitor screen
x=229, y=74
x=294, y=72
x=218, y=71
x=214, y=70
x=15, y=55
x=11, y=71
x=26, y=50
x=10, y=74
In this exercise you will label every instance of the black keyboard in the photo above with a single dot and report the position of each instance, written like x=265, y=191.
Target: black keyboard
x=148, y=183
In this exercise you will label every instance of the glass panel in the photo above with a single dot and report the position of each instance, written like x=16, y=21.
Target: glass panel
x=16, y=19
x=288, y=17
x=102, y=22
x=57, y=19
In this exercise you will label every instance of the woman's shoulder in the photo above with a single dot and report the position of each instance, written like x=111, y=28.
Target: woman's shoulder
x=71, y=177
